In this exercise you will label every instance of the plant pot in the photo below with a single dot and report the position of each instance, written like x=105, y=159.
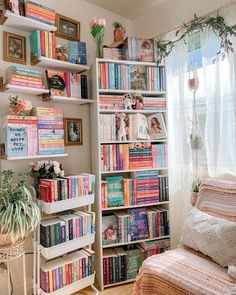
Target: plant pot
x=193, y=198
x=196, y=144
x=5, y=240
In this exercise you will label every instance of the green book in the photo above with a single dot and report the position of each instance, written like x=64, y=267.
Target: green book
x=134, y=262
x=57, y=231
x=35, y=44
x=115, y=196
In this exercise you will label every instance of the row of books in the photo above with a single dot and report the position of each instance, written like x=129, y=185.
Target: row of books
x=61, y=272
x=43, y=43
x=131, y=77
x=50, y=131
x=116, y=102
x=131, y=127
x=22, y=76
x=67, y=84
x=66, y=227
x=120, y=264
x=135, y=224
x=68, y=187
x=115, y=157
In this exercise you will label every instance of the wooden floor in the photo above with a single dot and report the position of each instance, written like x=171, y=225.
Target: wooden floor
x=126, y=289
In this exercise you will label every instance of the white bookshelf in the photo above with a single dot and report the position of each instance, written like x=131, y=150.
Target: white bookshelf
x=96, y=165
x=9, y=88
x=66, y=99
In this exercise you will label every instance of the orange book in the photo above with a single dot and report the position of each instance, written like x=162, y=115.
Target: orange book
x=43, y=12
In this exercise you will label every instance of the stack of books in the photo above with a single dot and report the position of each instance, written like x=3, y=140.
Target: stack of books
x=50, y=131
x=66, y=227
x=25, y=77
x=40, y=13
x=43, y=43
x=154, y=103
x=67, y=84
x=68, y=187
x=147, y=187
x=164, y=188
x=113, y=53
x=158, y=221
x=61, y=272
x=140, y=158
x=139, y=49
x=107, y=127
x=150, y=248
x=131, y=77
x=21, y=136
x=111, y=102
x=160, y=155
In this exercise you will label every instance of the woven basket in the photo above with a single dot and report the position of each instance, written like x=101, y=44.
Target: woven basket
x=5, y=240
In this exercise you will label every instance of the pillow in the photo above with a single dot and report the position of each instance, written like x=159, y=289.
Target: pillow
x=212, y=236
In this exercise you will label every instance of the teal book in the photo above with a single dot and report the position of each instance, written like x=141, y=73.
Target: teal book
x=115, y=196
x=77, y=52
x=35, y=44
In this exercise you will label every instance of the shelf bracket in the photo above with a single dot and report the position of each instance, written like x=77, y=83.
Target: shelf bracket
x=3, y=152
x=3, y=18
x=34, y=59
x=46, y=97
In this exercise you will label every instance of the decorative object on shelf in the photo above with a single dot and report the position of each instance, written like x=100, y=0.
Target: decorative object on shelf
x=156, y=126
x=218, y=26
x=14, y=48
x=73, y=131
x=97, y=29
x=19, y=215
x=127, y=99
x=195, y=190
x=119, y=36
x=12, y=5
x=20, y=106
x=121, y=127
x=67, y=28
x=62, y=52
x=137, y=101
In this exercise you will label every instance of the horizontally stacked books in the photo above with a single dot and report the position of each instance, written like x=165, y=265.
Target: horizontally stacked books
x=135, y=224
x=116, y=157
x=131, y=77
x=64, y=271
x=66, y=227
x=67, y=187
x=143, y=187
x=21, y=76
x=40, y=13
x=121, y=264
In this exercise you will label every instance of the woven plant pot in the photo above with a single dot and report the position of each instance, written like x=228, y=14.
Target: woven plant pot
x=5, y=240
x=193, y=198
x=196, y=144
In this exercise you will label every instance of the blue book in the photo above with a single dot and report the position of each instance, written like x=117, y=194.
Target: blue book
x=16, y=141
x=139, y=224
x=77, y=52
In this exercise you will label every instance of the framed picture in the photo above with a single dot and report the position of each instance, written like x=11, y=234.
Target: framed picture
x=14, y=48
x=73, y=131
x=67, y=28
x=156, y=126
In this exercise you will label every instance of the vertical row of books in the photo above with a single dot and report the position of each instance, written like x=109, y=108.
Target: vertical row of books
x=133, y=163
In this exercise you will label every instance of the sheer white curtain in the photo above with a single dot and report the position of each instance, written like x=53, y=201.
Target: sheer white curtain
x=216, y=100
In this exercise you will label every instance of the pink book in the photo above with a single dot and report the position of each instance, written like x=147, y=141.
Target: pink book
x=30, y=85
x=67, y=80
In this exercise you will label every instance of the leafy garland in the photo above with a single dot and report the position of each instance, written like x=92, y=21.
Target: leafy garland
x=217, y=24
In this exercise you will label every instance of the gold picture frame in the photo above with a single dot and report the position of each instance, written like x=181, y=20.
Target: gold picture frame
x=14, y=48
x=67, y=28
x=73, y=130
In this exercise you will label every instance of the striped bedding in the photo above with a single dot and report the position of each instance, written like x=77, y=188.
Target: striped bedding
x=184, y=271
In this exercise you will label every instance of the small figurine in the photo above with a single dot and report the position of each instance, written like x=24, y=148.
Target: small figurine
x=62, y=52
x=19, y=106
x=121, y=133
x=127, y=99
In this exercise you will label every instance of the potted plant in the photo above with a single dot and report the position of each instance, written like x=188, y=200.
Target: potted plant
x=19, y=215
x=195, y=141
x=195, y=190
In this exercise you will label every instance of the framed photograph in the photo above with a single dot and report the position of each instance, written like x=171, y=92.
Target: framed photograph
x=156, y=126
x=14, y=48
x=67, y=28
x=73, y=131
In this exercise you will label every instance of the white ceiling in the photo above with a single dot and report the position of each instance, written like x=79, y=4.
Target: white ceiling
x=126, y=8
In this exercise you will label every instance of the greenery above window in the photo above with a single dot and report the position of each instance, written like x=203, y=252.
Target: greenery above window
x=218, y=26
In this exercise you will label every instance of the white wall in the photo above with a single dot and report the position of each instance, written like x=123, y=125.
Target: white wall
x=79, y=156
x=172, y=13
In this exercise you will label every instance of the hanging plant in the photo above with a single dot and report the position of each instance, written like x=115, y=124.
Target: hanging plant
x=217, y=24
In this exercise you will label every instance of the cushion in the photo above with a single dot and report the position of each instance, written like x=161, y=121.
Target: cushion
x=212, y=236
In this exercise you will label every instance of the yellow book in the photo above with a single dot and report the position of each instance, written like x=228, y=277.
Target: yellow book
x=46, y=44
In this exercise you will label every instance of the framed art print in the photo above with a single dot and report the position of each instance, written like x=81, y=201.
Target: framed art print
x=73, y=131
x=156, y=126
x=67, y=28
x=14, y=48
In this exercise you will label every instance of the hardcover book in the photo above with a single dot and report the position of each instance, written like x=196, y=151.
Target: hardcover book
x=115, y=191
x=75, y=85
x=56, y=82
x=145, y=49
x=109, y=229
x=139, y=224
x=156, y=126
x=138, y=77
x=77, y=52
x=16, y=141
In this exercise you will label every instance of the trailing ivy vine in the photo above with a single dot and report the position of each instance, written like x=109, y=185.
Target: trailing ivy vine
x=217, y=24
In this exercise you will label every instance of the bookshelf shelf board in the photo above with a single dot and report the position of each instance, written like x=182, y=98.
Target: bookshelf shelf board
x=36, y=157
x=23, y=90
x=120, y=283
x=60, y=65
x=24, y=23
x=131, y=170
x=72, y=288
x=68, y=246
x=133, y=141
x=134, y=242
x=67, y=204
x=131, y=111
x=65, y=99
x=121, y=91
x=128, y=62
x=134, y=206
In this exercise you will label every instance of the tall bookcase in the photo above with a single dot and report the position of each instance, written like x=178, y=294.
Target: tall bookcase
x=97, y=144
